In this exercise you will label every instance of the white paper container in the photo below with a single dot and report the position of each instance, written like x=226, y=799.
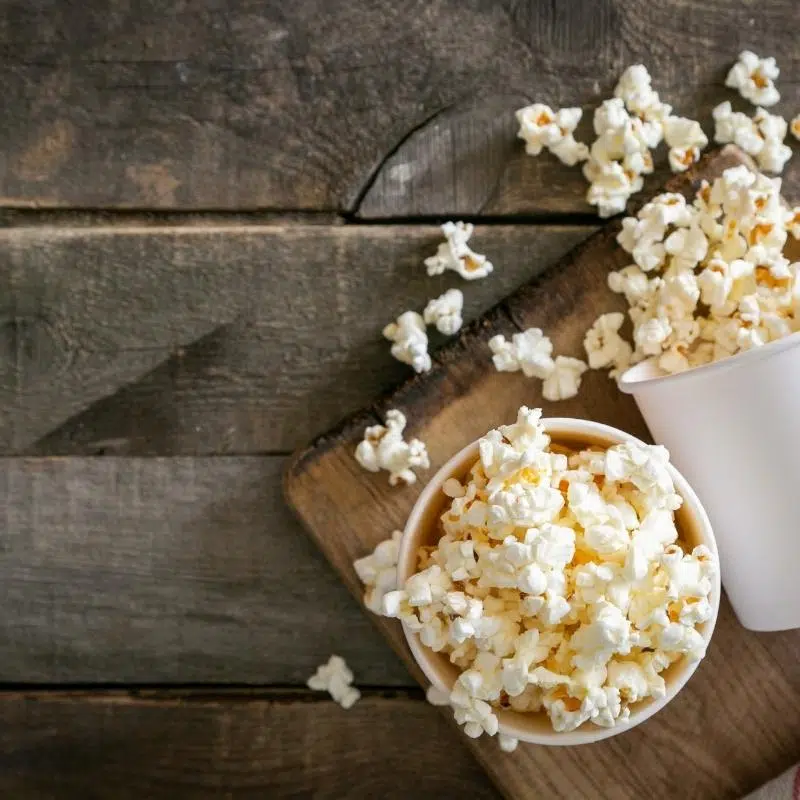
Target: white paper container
x=536, y=728
x=733, y=429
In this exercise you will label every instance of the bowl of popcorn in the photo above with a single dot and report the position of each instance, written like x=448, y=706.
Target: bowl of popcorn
x=558, y=582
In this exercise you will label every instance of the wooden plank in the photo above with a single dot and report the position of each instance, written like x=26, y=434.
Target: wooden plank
x=168, y=570
x=264, y=105
x=289, y=320
x=462, y=397
x=232, y=745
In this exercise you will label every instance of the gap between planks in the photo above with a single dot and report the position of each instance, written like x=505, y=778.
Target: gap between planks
x=165, y=694
x=123, y=220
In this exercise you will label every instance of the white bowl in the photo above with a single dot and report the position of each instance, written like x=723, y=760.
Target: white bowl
x=693, y=524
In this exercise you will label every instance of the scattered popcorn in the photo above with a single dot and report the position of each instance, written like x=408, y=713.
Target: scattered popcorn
x=541, y=127
x=685, y=139
x=530, y=352
x=565, y=379
x=335, y=678
x=410, y=341
x=445, y=312
x=753, y=78
x=383, y=447
x=720, y=283
x=559, y=584
x=455, y=254
x=378, y=572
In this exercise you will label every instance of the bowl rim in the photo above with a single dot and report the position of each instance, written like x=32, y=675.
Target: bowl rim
x=509, y=725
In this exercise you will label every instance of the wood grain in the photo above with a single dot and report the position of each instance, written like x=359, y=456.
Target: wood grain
x=255, y=105
x=235, y=745
x=462, y=397
x=168, y=570
x=234, y=339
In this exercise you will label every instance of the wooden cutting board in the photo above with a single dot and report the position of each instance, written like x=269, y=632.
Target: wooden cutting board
x=736, y=724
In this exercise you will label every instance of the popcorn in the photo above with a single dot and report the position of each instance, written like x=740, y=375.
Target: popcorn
x=720, y=283
x=753, y=78
x=794, y=127
x=565, y=379
x=541, y=127
x=436, y=697
x=634, y=88
x=378, y=572
x=335, y=678
x=508, y=744
x=383, y=447
x=445, y=312
x=736, y=127
x=604, y=346
x=557, y=584
x=530, y=352
x=410, y=341
x=455, y=254
x=611, y=186
x=685, y=139
x=761, y=136
x=774, y=154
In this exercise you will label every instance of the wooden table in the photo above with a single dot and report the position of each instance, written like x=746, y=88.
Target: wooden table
x=210, y=209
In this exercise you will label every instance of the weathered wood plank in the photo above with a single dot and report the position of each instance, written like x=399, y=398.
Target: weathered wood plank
x=232, y=745
x=289, y=322
x=161, y=570
x=262, y=105
x=462, y=397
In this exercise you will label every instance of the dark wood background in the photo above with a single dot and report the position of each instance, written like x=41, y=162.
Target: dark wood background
x=209, y=211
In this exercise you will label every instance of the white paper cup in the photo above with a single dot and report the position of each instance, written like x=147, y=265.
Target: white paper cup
x=733, y=429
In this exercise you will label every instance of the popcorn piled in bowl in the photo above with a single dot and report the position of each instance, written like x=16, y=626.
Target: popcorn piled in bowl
x=559, y=583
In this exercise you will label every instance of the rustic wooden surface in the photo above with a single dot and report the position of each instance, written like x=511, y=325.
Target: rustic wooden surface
x=348, y=513
x=208, y=211
x=221, y=744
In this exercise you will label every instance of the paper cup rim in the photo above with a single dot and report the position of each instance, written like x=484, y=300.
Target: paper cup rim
x=631, y=382
x=510, y=725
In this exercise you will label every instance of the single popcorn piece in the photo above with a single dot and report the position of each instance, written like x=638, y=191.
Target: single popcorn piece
x=383, y=448
x=773, y=129
x=529, y=352
x=635, y=89
x=378, y=572
x=409, y=341
x=753, y=78
x=565, y=379
x=445, y=312
x=685, y=139
x=436, y=697
x=558, y=584
x=738, y=128
x=611, y=186
x=541, y=127
x=456, y=254
x=508, y=744
x=604, y=346
x=335, y=678
x=794, y=127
